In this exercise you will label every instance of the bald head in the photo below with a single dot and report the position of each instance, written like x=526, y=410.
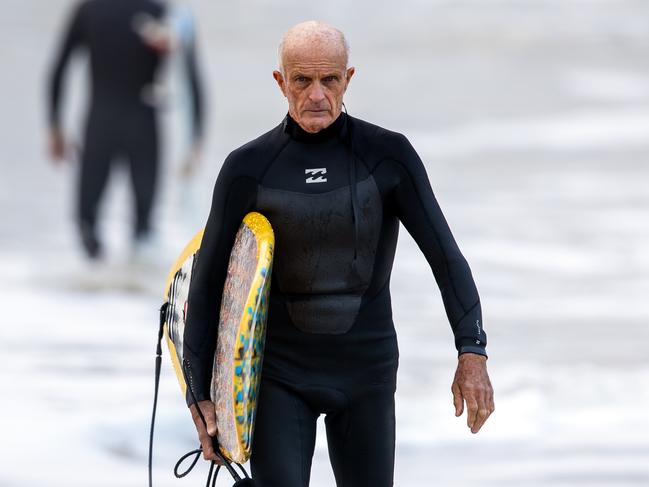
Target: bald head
x=313, y=73
x=312, y=39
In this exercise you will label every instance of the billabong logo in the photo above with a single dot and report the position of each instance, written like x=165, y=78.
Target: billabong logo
x=319, y=172
x=477, y=324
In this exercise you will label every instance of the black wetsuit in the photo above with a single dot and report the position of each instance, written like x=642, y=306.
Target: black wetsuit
x=331, y=344
x=121, y=120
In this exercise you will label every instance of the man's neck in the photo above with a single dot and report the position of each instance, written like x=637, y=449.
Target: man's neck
x=296, y=132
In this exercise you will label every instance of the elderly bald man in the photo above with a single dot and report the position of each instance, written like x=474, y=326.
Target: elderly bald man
x=335, y=189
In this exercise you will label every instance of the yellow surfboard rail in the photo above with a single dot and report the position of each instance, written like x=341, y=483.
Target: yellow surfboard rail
x=190, y=249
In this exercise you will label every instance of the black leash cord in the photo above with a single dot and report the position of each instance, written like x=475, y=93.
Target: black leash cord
x=213, y=472
x=158, y=364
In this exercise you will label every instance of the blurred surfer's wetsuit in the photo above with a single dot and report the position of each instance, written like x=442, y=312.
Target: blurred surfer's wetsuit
x=121, y=121
x=334, y=199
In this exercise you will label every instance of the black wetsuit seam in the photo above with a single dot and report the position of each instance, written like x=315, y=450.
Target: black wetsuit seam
x=272, y=160
x=373, y=262
x=467, y=313
x=378, y=293
x=356, y=155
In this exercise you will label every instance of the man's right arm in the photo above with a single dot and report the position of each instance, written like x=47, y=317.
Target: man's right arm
x=234, y=196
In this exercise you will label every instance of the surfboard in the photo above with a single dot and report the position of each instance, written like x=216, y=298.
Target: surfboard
x=241, y=329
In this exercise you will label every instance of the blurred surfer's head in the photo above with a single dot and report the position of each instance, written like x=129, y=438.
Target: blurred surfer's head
x=313, y=73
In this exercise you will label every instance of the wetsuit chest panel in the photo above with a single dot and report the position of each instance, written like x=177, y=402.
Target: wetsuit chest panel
x=311, y=168
x=315, y=268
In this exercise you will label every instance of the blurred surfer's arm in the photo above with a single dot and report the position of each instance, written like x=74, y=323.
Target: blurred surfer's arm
x=420, y=213
x=197, y=98
x=73, y=38
x=234, y=196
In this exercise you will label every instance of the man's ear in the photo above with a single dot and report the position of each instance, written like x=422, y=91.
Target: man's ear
x=350, y=72
x=280, y=81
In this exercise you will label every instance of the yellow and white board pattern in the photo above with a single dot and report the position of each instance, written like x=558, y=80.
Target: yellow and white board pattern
x=241, y=333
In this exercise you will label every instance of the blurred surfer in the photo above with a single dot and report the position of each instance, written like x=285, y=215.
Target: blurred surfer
x=334, y=188
x=127, y=42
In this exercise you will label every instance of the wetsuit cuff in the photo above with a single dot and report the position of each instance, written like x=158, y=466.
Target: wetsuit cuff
x=476, y=350
x=469, y=345
x=199, y=397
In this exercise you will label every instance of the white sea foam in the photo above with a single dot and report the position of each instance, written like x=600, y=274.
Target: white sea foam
x=569, y=131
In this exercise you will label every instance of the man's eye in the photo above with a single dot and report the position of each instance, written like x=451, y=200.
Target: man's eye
x=300, y=79
x=330, y=79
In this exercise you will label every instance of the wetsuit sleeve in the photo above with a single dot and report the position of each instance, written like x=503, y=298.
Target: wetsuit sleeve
x=418, y=210
x=234, y=195
x=72, y=39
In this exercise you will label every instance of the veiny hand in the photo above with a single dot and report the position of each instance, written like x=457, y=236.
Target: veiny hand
x=471, y=385
x=205, y=436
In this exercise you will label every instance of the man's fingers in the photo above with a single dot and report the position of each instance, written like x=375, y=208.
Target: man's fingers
x=458, y=402
x=485, y=406
x=207, y=408
x=206, y=444
x=482, y=416
x=478, y=408
x=471, y=412
x=205, y=434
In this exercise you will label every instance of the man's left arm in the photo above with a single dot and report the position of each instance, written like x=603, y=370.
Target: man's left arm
x=420, y=213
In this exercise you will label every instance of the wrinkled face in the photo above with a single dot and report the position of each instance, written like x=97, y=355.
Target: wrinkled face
x=314, y=82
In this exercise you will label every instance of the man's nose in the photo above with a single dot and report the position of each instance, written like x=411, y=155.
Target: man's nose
x=316, y=94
